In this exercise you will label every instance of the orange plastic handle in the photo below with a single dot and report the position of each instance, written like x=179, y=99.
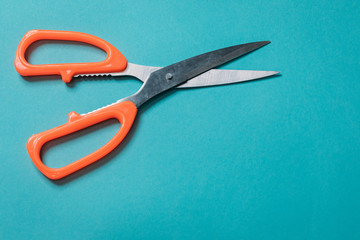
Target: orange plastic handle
x=114, y=62
x=125, y=112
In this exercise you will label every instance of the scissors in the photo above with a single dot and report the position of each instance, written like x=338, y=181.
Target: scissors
x=193, y=72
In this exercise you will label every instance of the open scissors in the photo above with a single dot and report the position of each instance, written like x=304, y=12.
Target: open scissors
x=193, y=72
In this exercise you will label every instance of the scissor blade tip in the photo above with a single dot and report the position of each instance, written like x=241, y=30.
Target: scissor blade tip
x=256, y=45
x=263, y=43
x=273, y=73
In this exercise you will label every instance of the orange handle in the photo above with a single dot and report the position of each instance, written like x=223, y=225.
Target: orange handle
x=114, y=62
x=125, y=112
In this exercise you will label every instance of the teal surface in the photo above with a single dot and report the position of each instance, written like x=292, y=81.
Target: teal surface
x=272, y=159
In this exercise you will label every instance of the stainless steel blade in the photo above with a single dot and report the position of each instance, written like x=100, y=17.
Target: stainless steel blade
x=220, y=77
x=210, y=78
x=178, y=73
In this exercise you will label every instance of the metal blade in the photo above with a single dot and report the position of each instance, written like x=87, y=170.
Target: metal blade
x=210, y=78
x=204, y=62
x=141, y=72
x=221, y=77
x=178, y=73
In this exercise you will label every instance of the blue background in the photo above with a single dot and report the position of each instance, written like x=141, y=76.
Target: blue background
x=270, y=159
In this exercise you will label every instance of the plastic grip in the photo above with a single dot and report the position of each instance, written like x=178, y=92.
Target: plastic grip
x=125, y=112
x=114, y=62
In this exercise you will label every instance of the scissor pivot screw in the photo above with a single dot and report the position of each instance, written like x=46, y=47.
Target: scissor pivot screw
x=169, y=76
